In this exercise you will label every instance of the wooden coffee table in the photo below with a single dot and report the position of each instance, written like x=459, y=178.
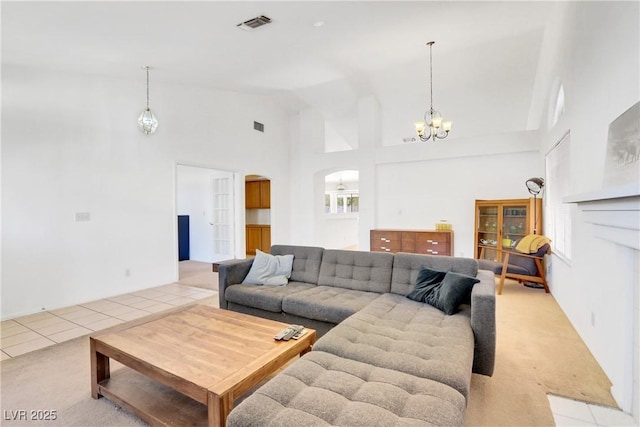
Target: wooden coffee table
x=208, y=355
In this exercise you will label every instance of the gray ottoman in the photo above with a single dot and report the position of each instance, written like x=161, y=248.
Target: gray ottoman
x=323, y=389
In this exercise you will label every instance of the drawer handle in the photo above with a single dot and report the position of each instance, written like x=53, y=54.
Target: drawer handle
x=434, y=252
x=382, y=238
x=429, y=241
x=388, y=250
x=383, y=247
x=435, y=243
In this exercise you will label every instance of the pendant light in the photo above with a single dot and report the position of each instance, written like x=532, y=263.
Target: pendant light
x=147, y=121
x=433, y=126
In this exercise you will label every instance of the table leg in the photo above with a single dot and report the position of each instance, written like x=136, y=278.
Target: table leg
x=305, y=351
x=99, y=368
x=218, y=408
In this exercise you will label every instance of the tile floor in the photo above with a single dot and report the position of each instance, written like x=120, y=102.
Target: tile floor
x=571, y=413
x=24, y=334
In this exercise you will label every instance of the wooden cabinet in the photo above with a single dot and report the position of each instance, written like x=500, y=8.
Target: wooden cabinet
x=258, y=237
x=258, y=194
x=501, y=223
x=258, y=204
x=413, y=241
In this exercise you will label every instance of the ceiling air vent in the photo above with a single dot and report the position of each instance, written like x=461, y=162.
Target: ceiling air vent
x=254, y=23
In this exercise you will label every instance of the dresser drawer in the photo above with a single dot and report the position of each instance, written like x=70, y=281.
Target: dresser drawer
x=385, y=241
x=412, y=241
x=433, y=243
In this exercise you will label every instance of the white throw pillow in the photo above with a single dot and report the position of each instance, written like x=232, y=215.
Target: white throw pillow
x=276, y=281
x=269, y=269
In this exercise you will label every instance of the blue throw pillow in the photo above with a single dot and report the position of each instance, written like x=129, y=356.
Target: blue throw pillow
x=425, y=282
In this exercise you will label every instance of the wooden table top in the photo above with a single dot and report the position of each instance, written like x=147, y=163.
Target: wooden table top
x=213, y=350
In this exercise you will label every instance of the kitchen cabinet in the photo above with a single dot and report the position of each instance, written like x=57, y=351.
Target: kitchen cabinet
x=258, y=194
x=258, y=237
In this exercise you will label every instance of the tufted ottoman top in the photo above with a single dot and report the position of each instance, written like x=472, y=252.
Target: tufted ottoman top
x=396, y=333
x=325, y=389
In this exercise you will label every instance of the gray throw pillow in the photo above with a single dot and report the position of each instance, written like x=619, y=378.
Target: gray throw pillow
x=425, y=282
x=443, y=290
x=454, y=289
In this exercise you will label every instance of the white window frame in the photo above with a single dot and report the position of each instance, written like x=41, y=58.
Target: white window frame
x=558, y=217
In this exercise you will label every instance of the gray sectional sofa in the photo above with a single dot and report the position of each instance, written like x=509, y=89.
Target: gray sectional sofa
x=382, y=359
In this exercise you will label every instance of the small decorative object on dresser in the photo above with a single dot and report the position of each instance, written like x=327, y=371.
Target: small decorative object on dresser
x=427, y=242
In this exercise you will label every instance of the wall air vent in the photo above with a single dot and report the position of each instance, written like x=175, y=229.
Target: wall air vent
x=254, y=23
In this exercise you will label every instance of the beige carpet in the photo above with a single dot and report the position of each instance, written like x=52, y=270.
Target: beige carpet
x=538, y=353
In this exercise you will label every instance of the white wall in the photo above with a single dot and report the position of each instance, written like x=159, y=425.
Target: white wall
x=70, y=143
x=592, y=48
x=417, y=185
x=419, y=194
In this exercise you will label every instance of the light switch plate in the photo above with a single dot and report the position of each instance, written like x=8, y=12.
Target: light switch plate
x=83, y=216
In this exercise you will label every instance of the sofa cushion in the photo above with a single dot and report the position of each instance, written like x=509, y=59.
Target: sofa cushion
x=327, y=303
x=407, y=266
x=361, y=271
x=394, y=332
x=306, y=261
x=324, y=389
x=267, y=298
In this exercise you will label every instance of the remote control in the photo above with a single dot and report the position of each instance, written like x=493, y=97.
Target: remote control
x=299, y=334
x=286, y=334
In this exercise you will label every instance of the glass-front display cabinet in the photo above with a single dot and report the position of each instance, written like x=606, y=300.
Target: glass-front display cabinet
x=500, y=224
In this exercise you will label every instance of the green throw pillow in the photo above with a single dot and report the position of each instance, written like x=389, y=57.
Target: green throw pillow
x=454, y=289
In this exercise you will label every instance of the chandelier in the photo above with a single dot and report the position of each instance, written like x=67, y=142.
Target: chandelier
x=147, y=121
x=433, y=127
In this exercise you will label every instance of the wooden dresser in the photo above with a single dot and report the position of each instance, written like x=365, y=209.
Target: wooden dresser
x=428, y=242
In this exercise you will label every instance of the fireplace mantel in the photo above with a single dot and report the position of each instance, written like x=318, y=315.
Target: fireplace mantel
x=614, y=213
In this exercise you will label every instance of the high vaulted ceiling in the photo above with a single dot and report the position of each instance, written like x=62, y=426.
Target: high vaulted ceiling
x=322, y=54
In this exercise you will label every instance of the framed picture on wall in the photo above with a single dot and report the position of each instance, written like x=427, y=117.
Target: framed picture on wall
x=622, y=164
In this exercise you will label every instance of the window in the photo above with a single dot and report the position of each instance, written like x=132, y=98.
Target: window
x=341, y=193
x=557, y=185
x=347, y=203
x=558, y=107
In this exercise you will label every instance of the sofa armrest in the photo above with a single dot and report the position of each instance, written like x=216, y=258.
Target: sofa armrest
x=231, y=272
x=483, y=322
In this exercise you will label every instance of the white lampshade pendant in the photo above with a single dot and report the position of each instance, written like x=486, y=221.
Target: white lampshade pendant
x=147, y=121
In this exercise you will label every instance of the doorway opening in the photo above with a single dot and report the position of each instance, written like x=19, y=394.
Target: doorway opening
x=341, y=210
x=205, y=206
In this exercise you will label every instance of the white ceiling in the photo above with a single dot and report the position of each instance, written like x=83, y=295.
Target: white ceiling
x=363, y=47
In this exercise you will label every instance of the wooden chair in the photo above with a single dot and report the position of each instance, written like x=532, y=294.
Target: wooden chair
x=524, y=267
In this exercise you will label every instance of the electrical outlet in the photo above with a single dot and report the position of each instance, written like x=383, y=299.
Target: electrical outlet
x=593, y=319
x=127, y=272
x=83, y=216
